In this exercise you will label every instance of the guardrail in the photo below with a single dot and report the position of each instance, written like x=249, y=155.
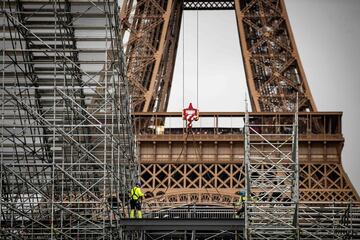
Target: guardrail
x=192, y=212
x=232, y=122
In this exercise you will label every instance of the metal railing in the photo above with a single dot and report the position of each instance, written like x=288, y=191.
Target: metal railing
x=316, y=123
x=191, y=211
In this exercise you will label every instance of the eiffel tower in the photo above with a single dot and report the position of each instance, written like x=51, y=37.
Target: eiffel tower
x=212, y=171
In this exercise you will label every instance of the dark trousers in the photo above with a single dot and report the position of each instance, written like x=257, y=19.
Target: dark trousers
x=135, y=204
x=240, y=211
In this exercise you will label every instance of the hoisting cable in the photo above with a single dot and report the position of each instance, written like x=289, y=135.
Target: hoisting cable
x=183, y=60
x=197, y=55
x=183, y=89
x=183, y=92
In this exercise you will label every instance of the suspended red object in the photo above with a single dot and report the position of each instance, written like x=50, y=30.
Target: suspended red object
x=190, y=114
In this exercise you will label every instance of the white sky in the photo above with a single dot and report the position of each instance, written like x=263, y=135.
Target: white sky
x=327, y=36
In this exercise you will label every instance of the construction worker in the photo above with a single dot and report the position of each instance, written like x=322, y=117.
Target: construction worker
x=136, y=196
x=241, y=204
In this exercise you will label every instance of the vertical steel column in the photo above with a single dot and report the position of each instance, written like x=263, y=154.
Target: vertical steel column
x=153, y=33
x=273, y=69
x=247, y=168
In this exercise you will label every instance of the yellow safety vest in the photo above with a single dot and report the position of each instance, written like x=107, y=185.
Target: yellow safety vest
x=242, y=200
x=136, y=193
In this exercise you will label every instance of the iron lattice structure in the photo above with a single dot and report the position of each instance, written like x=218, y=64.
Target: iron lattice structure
x=67, y=152
x=188, y=174
x=272, y=64
x=207, y=166
x=275, y=77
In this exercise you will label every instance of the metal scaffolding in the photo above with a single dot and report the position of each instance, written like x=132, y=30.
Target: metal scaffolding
x=325, y=220
x=272, y=206
x=271, y=179
x=316, y=220
x=67, y=144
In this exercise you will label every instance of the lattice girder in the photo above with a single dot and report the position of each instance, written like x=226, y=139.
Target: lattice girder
x=272, y=64
x=213, y=158
x=150, y=32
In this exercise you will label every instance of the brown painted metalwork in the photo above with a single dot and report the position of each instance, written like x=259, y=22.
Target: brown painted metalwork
x=152, y=28
x=208, y=5
x=272, y=64
x=176, y=166
x=208, y=163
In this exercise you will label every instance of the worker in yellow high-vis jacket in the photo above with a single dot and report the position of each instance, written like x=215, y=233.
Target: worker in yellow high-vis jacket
x=136, y=196
x=241, y=204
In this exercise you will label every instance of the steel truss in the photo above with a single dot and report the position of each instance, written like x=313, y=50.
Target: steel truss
x=208, y=5
x=207, y=166
x=67, y=152
x=274, y=72
x=272, y=64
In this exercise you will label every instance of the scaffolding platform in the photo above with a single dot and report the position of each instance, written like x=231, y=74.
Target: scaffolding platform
x=151, y=224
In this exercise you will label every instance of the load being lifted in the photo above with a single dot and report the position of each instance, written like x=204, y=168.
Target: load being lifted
x=190, y=114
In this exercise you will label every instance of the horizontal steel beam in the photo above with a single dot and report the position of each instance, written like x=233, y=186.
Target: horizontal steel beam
x=233, y=114
x=182, y=224
x=209, y=5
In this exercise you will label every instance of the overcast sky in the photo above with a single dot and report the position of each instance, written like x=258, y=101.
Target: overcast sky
x=327, y=35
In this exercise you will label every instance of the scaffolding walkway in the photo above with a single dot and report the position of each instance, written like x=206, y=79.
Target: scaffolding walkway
x=321, y=220
x=184, y=221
